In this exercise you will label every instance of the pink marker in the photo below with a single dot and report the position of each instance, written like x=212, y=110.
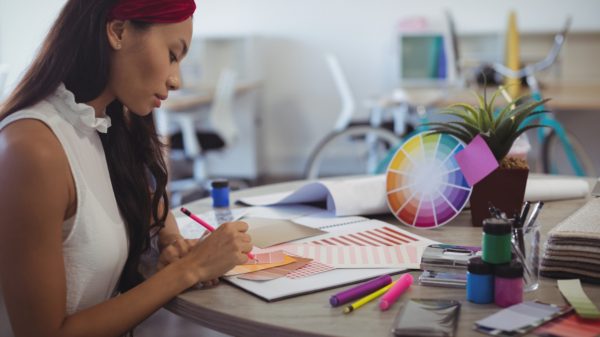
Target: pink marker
x=395, y=291
x=206, y=225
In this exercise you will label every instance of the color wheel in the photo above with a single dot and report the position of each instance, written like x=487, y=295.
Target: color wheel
x=425, y=186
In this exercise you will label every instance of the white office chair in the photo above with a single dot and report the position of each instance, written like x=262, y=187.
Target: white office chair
x=346, y=96
x=198, y=135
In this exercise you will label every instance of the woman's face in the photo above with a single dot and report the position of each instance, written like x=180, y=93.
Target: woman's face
x=145, y=63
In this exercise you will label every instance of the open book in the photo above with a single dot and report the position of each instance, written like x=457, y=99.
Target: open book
x=367, y=195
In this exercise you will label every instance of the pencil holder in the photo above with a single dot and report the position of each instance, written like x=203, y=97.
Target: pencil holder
x=496, y=244
x=528, y=253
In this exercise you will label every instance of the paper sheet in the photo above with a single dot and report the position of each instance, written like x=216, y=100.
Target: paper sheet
x=556, y=189
x=248, y=268
x=366, y=196
x=570, y=326
x=190, y=229
x=281, y=211
x=476, y=160
x=285, y=287
x=518, y=316
x=356, y=196
x=406, y=256
x=573, y=292
x=276, y=272
x=269, y=232
x=312, y=268
x=370, y=244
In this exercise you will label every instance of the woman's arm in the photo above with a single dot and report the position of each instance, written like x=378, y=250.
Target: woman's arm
x=35, y=198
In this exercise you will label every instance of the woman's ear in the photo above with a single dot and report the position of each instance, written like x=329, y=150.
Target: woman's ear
x=114, y=32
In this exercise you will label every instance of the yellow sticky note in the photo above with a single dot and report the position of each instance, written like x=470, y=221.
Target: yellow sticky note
x=573, y=292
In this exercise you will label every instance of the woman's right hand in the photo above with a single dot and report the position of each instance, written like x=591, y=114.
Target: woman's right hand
x=220, y=251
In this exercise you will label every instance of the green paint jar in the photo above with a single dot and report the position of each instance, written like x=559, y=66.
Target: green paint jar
x=496, y=247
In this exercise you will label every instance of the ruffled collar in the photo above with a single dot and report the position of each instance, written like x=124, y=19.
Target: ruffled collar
x=79, y=114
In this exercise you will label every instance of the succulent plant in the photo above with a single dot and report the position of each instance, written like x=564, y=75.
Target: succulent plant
x=499, y=127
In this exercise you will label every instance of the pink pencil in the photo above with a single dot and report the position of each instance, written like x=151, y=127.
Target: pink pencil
x=206, y=225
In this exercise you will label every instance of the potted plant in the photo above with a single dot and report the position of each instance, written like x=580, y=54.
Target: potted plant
x=500, y=126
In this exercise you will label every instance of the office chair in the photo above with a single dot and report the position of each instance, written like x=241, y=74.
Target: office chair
x=192, y=141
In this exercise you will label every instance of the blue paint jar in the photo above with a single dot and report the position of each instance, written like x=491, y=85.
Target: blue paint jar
x=220, y=193
x=220, y=198
x=480, y=281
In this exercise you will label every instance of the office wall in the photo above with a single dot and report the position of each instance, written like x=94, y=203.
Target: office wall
x=299, y=103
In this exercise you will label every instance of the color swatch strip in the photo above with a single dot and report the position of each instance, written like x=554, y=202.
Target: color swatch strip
x=247, y=268
x=384, y=236
x=276, y=272
x=312, y=268
x=405, y=256
x=569, y=326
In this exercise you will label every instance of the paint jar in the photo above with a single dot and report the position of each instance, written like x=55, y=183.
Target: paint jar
x=480, y=281
x=220, y=198
x=508, y=285
x=528, y=253
x=220, y=193
x=496, y=245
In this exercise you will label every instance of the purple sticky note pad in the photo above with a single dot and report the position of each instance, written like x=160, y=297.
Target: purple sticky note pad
x=476, y=161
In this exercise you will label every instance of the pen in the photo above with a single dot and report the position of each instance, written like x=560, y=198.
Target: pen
x=534, y=214
x=360, y=290
x=398, y=289
x=206, y=225
x=367, y=298
x=524, y=213
x=518, y=224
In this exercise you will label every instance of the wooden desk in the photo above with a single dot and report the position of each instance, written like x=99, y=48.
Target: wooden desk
x=230, y=310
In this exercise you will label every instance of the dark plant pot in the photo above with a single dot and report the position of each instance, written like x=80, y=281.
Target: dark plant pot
x=504, y=188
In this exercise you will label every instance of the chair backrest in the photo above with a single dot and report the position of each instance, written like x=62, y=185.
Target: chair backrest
x=343, y=88
x=221, y=114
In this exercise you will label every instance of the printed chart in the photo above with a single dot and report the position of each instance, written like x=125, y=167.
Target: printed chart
x=425, y=186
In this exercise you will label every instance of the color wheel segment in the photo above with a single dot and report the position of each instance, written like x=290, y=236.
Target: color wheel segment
x=425, y=186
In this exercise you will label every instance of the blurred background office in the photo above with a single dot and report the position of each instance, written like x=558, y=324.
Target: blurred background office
x=286, y=97
x=266, y=80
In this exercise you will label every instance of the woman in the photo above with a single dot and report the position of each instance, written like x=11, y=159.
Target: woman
x=83, y=179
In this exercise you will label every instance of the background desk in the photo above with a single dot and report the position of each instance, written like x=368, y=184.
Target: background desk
x=230, y=310
x=565, y=97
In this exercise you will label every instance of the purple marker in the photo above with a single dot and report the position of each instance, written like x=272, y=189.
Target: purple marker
x=360, y=290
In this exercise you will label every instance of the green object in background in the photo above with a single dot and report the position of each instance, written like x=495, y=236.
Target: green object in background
x=420, y=55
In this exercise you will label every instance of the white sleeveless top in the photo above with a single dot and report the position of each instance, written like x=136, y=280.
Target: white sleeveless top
x=94, y=240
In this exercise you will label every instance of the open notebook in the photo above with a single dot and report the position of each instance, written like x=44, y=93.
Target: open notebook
x=358, y=248
x=353, y=263
x=367, y=195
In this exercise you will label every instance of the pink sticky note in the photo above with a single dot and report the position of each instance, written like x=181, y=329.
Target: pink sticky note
x=476, y=160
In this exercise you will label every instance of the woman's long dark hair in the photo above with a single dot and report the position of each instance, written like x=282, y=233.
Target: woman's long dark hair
x=76, y=52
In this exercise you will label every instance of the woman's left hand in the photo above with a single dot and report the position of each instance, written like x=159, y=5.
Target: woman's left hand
x=177, y=249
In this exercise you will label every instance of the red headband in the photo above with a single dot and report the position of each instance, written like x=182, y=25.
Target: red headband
x=153, y=11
